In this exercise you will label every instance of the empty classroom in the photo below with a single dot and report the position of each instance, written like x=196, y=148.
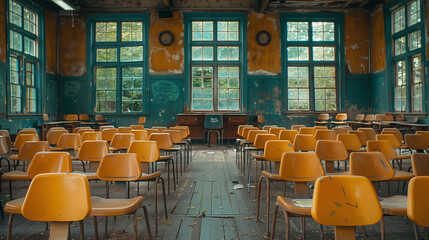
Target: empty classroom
x=197, y=119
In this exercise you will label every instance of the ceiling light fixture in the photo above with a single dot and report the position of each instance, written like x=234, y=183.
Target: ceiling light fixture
x=64, y=5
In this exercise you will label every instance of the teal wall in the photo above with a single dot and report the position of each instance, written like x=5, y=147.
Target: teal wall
x=378, y=100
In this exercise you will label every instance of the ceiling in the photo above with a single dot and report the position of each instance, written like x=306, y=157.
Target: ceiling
x=258, y=5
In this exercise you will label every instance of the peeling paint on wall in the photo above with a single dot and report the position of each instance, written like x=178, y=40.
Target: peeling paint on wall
x=378, y=44
x=51, y=42
x=263, y=60
x=166, y=60
x=3, y=31
x=356, y=43
x=73, y=46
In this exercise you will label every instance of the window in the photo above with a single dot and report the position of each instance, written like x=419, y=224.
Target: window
x=311, y=53
x=406, y=49
x=215, y=56
x=23, y=28
x=118, y=53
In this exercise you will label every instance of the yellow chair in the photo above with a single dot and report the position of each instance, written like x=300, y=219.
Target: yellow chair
x=160, y=129
x=304, y=142
x=76, y=129
x=417, y=142
x=21, y=139
x=26, y=131
x=331, y=151
x=6, y=134
x=340, y=130
x=140, y=134
x=72, y=117
x=322, y=119
x=276, y=131
x=361, y=135
x=68, y=142
x=321, y=127
x=340, y=119
x=369, y=118
x=124, y=129
x=4, y=149
x=296, y=167
x=351, y=141
x=28, y=150
x=420, y=163
x=296, y=127
x=184, y=131
x=389, y=137
x=150, y=131
x=58, y=198
x=148, y=152
x=105, y=127
x=395, y=132
x=108, y=133
x=353, y=201
x=307, y=130
x=137, y=127
x=121, y=141
x=101, y=120
x=424, y=133
x=53, y=136
x=91, y=136
x=82, y=131
x=417, y=210
x=142, y=120
x=176, y=137
x=369, y=132
x=267, y=127
x=325, y=134
x=121, y=167
x=288, y=135
x=92, y=151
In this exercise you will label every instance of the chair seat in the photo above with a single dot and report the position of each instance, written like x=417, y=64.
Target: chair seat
x=338, y=122
x=14, y=157
x=164, y=158
x=258, y=157
x=395, y=206
x=148, y=176
x=89, y=175
x=112, y=149
x=16, y=175
x=251, y=148
x=402, y=157
x=14, y=206
x=271, y=175
x=402, y=176
x=172, y=149
x=320, y=122
x=296, y=206
x=114, y=207
x=56, y=149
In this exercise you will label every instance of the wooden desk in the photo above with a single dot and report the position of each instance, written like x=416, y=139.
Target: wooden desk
x=195, y=122
x=48, y=125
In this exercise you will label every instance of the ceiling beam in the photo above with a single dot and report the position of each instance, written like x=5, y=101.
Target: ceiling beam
x=263, y=4
x=364, y=3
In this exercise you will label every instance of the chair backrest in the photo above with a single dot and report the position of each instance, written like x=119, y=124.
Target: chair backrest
x=69, y=141
x=100, y=118
x=380, y=117
x=146, y=151
x=331, y=150
x=50, y=162
x=53, y=135
x=304, y=142
x=30, y=148
x=300, y=167
x=395, y=132
x=137, y=127
x=307, y=130
x=323, y=117
x=240, y=129
x=276, y=130
x=288, y=135
x=321, y=127
x=420, y=163
x=124, y=129
x=105, y=127
x=372, y=165
x=45, y=117
x=369, y=132
x=122, y=140
x=56, y=128
x=213, y=122
x=361, y=135
x=176, y=135
x=369, y=118
x=76, y=129
x=26, y=131
x=84, y=117
x=389, y=137
x=7, y=135
x=296, y=127
x=339, y=130
x=417, y=200
x=351, y=141
x=424, y=133
x=82, y=131
x=142, y=120
x=260, y=140
x=57, y=197
x=21, y=139
x=91, y=136
x=4, y=145
x=246, y=130
x=183, y=131
x=253, y=133
x=140, y=134
x=345, y=201
x=389, y=117
x=383, y=146
x=261, y=118
x=341, y=117
x=360, y=117
x=325, y=134
x=274, y=149
x=186, y=128
x=416, y=141
x=267, y=127
x=163, y=139
x=108, y=133
x=72, y=117
x=93, y=150
x=119, y=167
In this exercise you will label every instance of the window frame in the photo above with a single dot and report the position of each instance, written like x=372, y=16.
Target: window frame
x=92, y=63
x=241, y=63
x=407, y=56
x=338, y=19
x=38, y=60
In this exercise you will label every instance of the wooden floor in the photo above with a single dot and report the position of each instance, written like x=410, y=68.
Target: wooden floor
x=205, y=206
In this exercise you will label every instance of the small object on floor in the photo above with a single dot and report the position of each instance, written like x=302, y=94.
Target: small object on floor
x=238, y=186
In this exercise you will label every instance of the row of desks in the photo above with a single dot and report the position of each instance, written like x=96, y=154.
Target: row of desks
x=46, y=126
x=406, y=127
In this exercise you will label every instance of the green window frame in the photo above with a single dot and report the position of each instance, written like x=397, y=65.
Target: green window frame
x=24, y=32
x=405, y=54
x=312, y=57
x=118, y=59
x=216, y=61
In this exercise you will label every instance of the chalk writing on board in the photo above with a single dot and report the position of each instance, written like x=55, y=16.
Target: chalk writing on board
x=72, y=89
x=165, y=91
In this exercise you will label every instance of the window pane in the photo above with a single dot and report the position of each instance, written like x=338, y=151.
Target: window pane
x=105, y=32
x=416, y=84
x=414, y=12
x=29, y=74
x=202, y=31
x=399, y=46
x=400, y=86
x=14, y=70
x=29, y=46
x=227, y=31
x=298, y=91
x=202, y=53
x=297, y=53
x=324, y=53
x=202, y=88
x=15, y=41
x=15, y=13
x=132, y=54
x=399, y=20
x=297, y=31
x=132, y=31
x=227, y=53
x=132, y=89
x=30, y=21
x=105, y=89
x=325, y=88
x=106, y=55
x=323, y=31
x=415, y=40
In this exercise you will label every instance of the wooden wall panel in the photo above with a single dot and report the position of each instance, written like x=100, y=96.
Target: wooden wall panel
x=73, y=46
x=263, y=60
x=3, y=39
x=356, y=43
x=166, y=59
x=51, y=42
x=378, y=43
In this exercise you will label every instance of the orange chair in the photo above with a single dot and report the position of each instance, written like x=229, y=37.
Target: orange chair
x=424, y=133
x=105, y=127
x=92, y=151
x=396, y=145
x=304, y=142
x=351, y=141
x=322, y=119
x=28, y=150
x=296, y=127
x=276, y=131
x=124, y=129
x=84, y=120
x=397, y=134
x=307, y=130
x=176, y=137
x=4, y=149
x=288, y=135
x=142, y=120
x=417, y=142
x=343, y=196
x=420, y=163
x=137, y=127
x=361, y=135
x=108, y=133
x=417, y=210
x=21, y=139
x=101, y=120
x=140, y=134
x=91, y=136
x=71, y=117
x=122, y=167
x=57, y=198
x=369, y=132
x=82, y=131
x=267, y=127
x=54, y=135
x=325, y=134
x=340, y=130
x=340, y=119
x=296, y=167
x=186, y=143
x=150, y=131
x=148, y=152
x=121, y=141
x=160, y=129
x=331, y=151
x=76, y=129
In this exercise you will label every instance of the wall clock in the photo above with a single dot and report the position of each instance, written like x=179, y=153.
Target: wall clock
x=166, y=38
x=263, y=38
